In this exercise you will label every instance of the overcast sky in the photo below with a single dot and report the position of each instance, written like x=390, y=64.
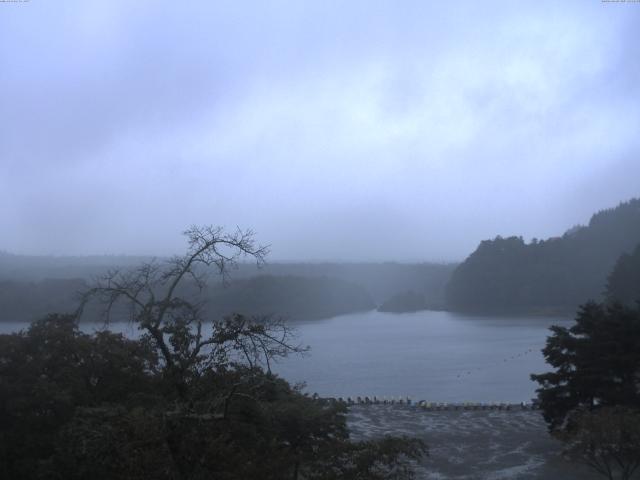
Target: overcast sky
x=359, y=130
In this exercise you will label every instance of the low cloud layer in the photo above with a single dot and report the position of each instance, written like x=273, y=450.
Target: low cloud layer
x=337, y=130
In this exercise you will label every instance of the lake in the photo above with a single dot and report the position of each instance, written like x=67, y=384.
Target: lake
x=435, y=356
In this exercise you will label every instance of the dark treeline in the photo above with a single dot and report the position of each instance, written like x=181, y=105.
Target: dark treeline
x=623, y=284
x=381, y=280
x=31, y=287
x=295, y=298
x=591, y=399
x=191, y=398
x=288, y=296
x=502, y=275
x=558, y=274
x=35, y=268
x=23, y=301
x=405, y=302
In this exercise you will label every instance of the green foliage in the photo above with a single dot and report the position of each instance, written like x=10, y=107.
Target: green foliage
x=101, y=406
x=607, y=440
x=30, y=287
x=190, y=399
x=369, y=460
x=596, y=362
x=623, y=284
x=51, y=369
x=507, y=274
x=294, y=297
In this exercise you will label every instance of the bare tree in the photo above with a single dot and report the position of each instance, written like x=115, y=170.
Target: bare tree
x=174, y=324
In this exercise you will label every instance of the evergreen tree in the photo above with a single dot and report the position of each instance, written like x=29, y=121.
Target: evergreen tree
x=623, y=284
x=596, y=362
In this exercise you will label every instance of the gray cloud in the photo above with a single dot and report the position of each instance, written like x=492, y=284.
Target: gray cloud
x=367, y=130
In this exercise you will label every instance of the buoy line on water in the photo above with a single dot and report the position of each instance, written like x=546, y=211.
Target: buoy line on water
x=466, y=372
x=430, y=406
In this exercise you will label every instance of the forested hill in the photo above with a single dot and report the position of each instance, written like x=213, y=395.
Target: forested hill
x=623, y=284
x=295, y=298
x=381, y=280
x=507, y=274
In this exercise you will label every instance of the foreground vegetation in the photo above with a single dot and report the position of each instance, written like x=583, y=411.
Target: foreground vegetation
x=105, y=407
x=591, y=401
x=194, y=398
x=191, y=399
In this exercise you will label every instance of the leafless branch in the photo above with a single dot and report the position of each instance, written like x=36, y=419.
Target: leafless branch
x=175, y=325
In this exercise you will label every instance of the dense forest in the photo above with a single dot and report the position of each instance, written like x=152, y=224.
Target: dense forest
x=553, y=275
x=31, y=287
x=35, y=268
x=381, y=280
x=623, y=284
x=192, y=398
x=288, y=296
x=295, y=298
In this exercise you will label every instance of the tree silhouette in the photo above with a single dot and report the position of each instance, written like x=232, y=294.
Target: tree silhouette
x=596, y=362
x=175, y=325
x=192, y=398
x=623, y=284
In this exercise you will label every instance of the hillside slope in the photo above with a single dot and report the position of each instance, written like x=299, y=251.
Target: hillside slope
x=507, y=274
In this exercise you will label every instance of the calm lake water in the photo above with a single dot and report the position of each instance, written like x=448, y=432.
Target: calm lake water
x=435, y=356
